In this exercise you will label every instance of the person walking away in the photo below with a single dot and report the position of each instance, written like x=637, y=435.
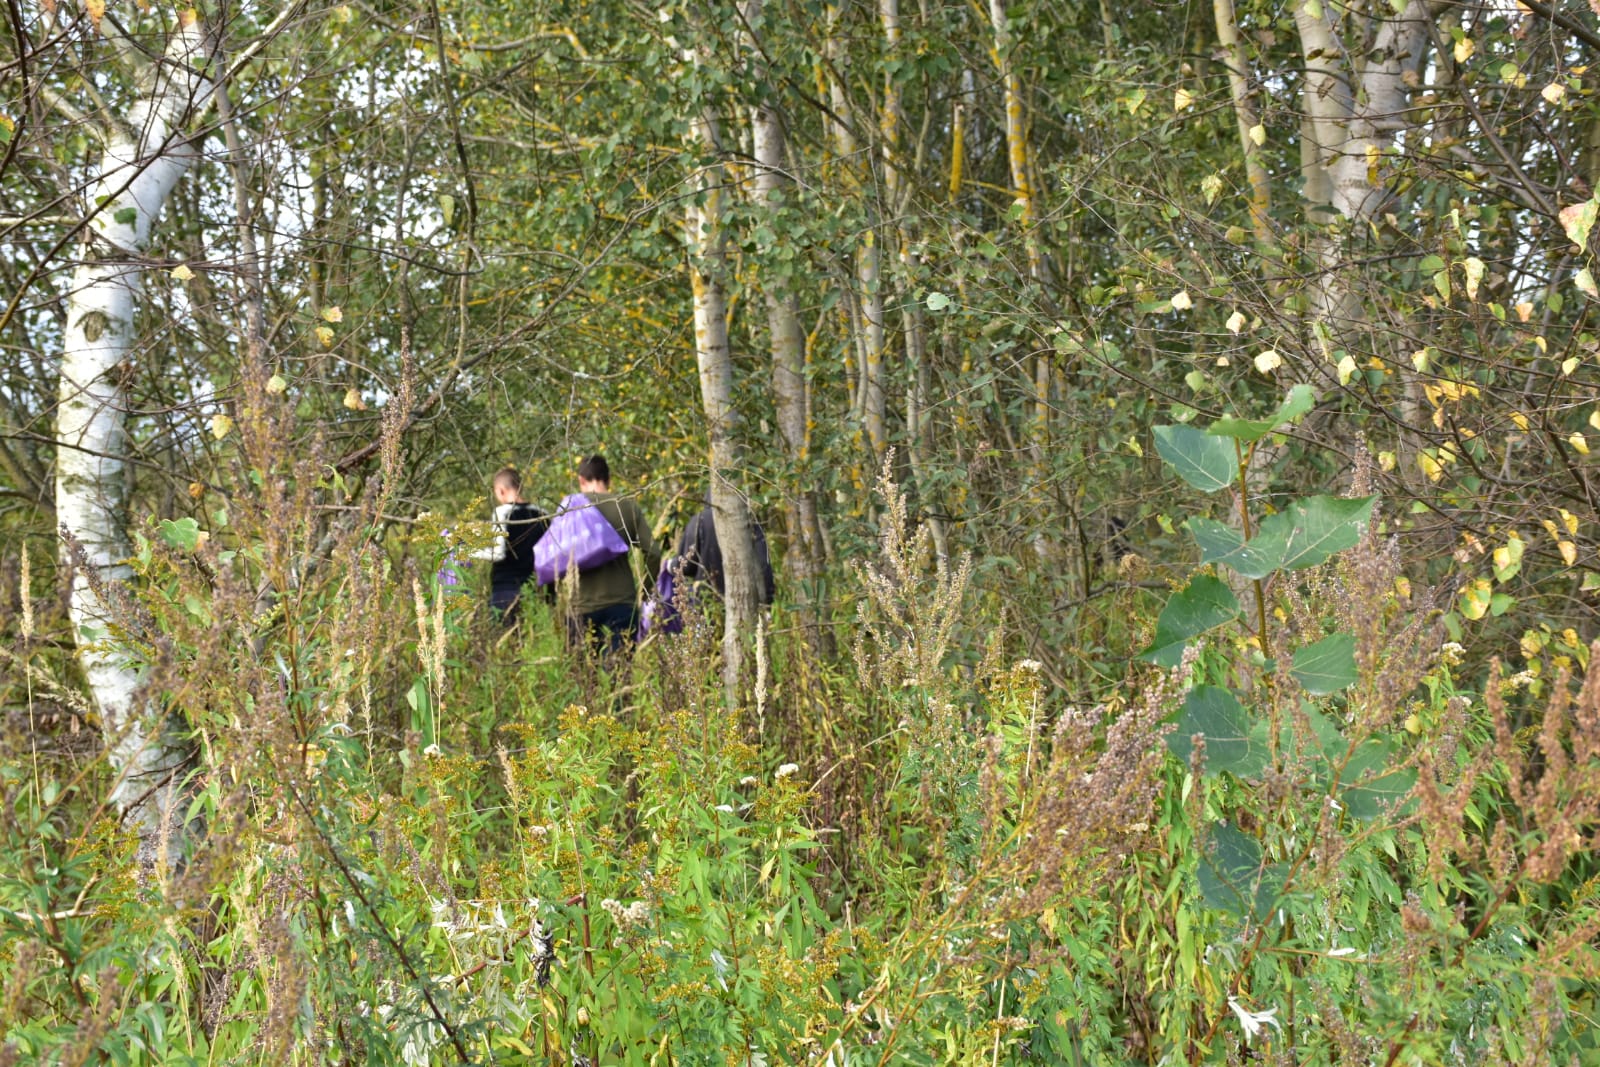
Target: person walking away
x=605, y=603
x=518, y=528
x=701, y=555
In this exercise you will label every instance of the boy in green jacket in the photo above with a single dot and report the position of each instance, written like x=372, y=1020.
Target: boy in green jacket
x=605, y=602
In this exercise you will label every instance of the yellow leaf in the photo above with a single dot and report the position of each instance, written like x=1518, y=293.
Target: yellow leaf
x=1569, y=552
x=1235, y=322
x=1402, y=586
x=1520, y=419
x=333, y=314
x=1553, y=92
x=325, y=336
x=1430, y=466
x=96, y=10
x=353, y=401
x=1182, y=100
x=1181, y=301
x=1569, y=520
x=1524, y=311
x=1579, y=444
x=221, y=425
x=1268, y=361
x=1463, y=49
x=1474, y=601
x=1347, y=369
x=1386, y=461
x=182, y=272
x=276, y=384
x=1258, y=134
x=1419, y=360
x=1475, y=271
x=1532, y=643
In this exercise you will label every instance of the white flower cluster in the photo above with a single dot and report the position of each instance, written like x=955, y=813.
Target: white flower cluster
x=625, y=916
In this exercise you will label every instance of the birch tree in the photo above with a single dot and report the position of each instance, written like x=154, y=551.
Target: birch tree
x=706, y=240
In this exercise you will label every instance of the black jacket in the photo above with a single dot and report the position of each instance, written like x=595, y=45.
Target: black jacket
x=701, y=555
x=524, y=525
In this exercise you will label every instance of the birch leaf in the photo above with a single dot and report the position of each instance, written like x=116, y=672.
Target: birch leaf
x=1258, y=134
x=1268, y=361
x=1578, y=220
x=1463, y=49
x=1553, y=92
x=221, y=426
x=325, y=336
x=1181, y=300
x=1235, y=322
x=276, y=384
x=1475, y=270
x=1585, y=283
x=1579, y=444
x=353, y=401
x=1182, y=100
x=1347, y=369
x=182, y=272
x=333, y=314
x=1211, y=188
x=1569, y=552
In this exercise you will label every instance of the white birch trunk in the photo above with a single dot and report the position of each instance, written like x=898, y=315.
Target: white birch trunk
x=707, y=269
x=145, y=156
x=790, y=390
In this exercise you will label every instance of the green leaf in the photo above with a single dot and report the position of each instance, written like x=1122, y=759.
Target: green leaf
x=1304, y=534
x=1233, y=743
x=182, y=534
x=1375, y=790
x=1205, y=604
x=1223, y=544
x=937, y=301
x=125, y=216
x=1327, y=666
x=1233, y=876
x=1205, y=462
x=1300, y=400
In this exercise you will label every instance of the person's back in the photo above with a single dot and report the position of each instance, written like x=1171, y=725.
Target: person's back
x=701, y=555
x=605, y=600
x=518, y=527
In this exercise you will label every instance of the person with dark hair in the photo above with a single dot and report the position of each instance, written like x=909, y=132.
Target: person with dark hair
x=700, y=555
x=518, y=527
x=605, y=602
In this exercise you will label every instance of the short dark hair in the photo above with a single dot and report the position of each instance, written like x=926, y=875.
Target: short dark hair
x=508, y=476
x=595, y=469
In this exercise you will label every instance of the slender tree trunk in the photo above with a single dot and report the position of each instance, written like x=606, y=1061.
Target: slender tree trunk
x=707, y=272
x=146, y=153
x=790, y=389
x=1021, y=168
x=872, y=403
x=1245, y=113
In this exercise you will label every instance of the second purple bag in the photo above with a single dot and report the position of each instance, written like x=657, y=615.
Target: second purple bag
x=579, y=537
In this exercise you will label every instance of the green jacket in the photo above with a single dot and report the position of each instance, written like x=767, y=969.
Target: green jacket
x=613, y=583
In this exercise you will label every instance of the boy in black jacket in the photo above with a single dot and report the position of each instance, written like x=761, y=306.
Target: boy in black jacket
x=518, y=527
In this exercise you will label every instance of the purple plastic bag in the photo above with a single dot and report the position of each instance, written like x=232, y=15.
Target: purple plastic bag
x=661, y=613
x=579, y=537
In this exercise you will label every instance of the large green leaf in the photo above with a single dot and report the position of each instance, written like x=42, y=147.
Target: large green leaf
x=1205, y=462
x=1206, y=603
x=1371, y=789
x=1233, y=742
x=1305, y=533
x=1233, y=876
x=1327, y=666
x=1300, y=400
x=1223, y=544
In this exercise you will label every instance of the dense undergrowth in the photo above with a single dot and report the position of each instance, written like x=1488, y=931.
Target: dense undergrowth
x=415, y=840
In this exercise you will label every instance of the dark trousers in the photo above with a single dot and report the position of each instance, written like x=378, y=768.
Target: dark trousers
x=610, y=628
x=505, y=601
